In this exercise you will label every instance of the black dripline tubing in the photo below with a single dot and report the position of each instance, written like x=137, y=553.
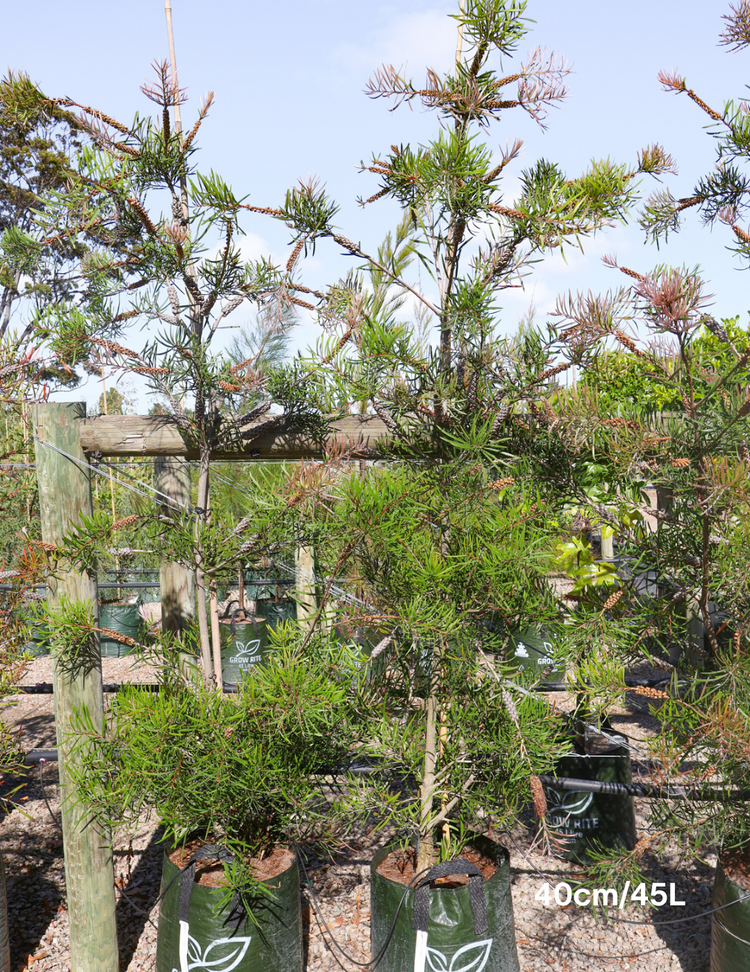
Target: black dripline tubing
x=705, y=794
x=45, y=688
x=319, y=917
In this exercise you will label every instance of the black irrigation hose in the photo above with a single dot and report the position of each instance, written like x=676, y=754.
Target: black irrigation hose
x=40, y=756
x=555, y=782
x=318, y=917
x=631, y=681
x=45, y=688
x=643, y=790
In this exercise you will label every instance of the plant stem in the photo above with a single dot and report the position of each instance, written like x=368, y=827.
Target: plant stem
x=427, y=788
x=200, y=577
x=215, y=635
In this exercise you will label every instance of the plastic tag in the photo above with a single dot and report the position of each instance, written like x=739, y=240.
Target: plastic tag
x=420, y=952
x=184, y=936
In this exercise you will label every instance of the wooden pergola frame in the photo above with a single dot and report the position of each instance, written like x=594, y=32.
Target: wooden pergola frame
x=64, y=481
x=139, y=435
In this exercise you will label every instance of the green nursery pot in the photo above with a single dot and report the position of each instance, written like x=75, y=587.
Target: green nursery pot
x=277, y=612
x=532, y=650
x=730, y=927
x=123, y=618
x=588, y=819
x=364, y=640
x=467, y=928
x=39, y=643
x=244, y=645
x=200, y=935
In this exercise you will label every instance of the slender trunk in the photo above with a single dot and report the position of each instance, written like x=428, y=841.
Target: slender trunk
x=200, y=577
x=112, y=491
x=706, y=585
x=427, y=789
x=215, y=634
x=442, y=743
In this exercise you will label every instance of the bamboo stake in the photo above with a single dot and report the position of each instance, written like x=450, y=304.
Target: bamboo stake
x=305, y=582
x=215, y=634
x=173, y=63
x=460, y=43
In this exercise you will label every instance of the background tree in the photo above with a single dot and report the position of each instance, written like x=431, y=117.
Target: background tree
x=722, y=195
x=430, y=535
x=680, y=599
x=183, y=276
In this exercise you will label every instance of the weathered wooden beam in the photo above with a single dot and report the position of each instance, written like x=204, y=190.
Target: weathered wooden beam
x=159, y=435
x=64, y=497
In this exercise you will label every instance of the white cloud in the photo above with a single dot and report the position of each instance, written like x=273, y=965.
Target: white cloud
x=419, y=40
x=253, y=247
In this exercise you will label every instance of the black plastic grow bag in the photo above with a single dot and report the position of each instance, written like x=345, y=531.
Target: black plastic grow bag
x=585, y=820
x=532, y=650
x=730, y=927
x=195, y=934
x=277, y=612
x=457, y=939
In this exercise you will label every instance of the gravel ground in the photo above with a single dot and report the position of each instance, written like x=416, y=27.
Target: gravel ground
x=568, y=939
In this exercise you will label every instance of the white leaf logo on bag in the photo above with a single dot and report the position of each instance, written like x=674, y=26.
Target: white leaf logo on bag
x=248, y=647
x=470, y=958
x=220, y=956
x=568, y=801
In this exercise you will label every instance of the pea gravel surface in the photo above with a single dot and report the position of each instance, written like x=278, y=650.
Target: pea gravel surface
x=556, y=937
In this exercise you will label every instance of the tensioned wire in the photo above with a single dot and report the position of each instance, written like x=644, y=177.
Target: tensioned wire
x=295, y=571
x=152, y=491
x=306, y=576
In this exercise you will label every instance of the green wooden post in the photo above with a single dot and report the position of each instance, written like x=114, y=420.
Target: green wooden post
x=65, y=496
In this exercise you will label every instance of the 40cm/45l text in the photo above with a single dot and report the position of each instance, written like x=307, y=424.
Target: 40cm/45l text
x=563, y=894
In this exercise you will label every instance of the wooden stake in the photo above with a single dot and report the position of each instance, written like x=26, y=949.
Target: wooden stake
x=172, y=478
x=213, y=604
x=112, y=492
x=307, y=599
x=460, y=41
x=64, y=497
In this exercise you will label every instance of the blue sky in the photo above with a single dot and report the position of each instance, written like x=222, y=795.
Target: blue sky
x=288, y=80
